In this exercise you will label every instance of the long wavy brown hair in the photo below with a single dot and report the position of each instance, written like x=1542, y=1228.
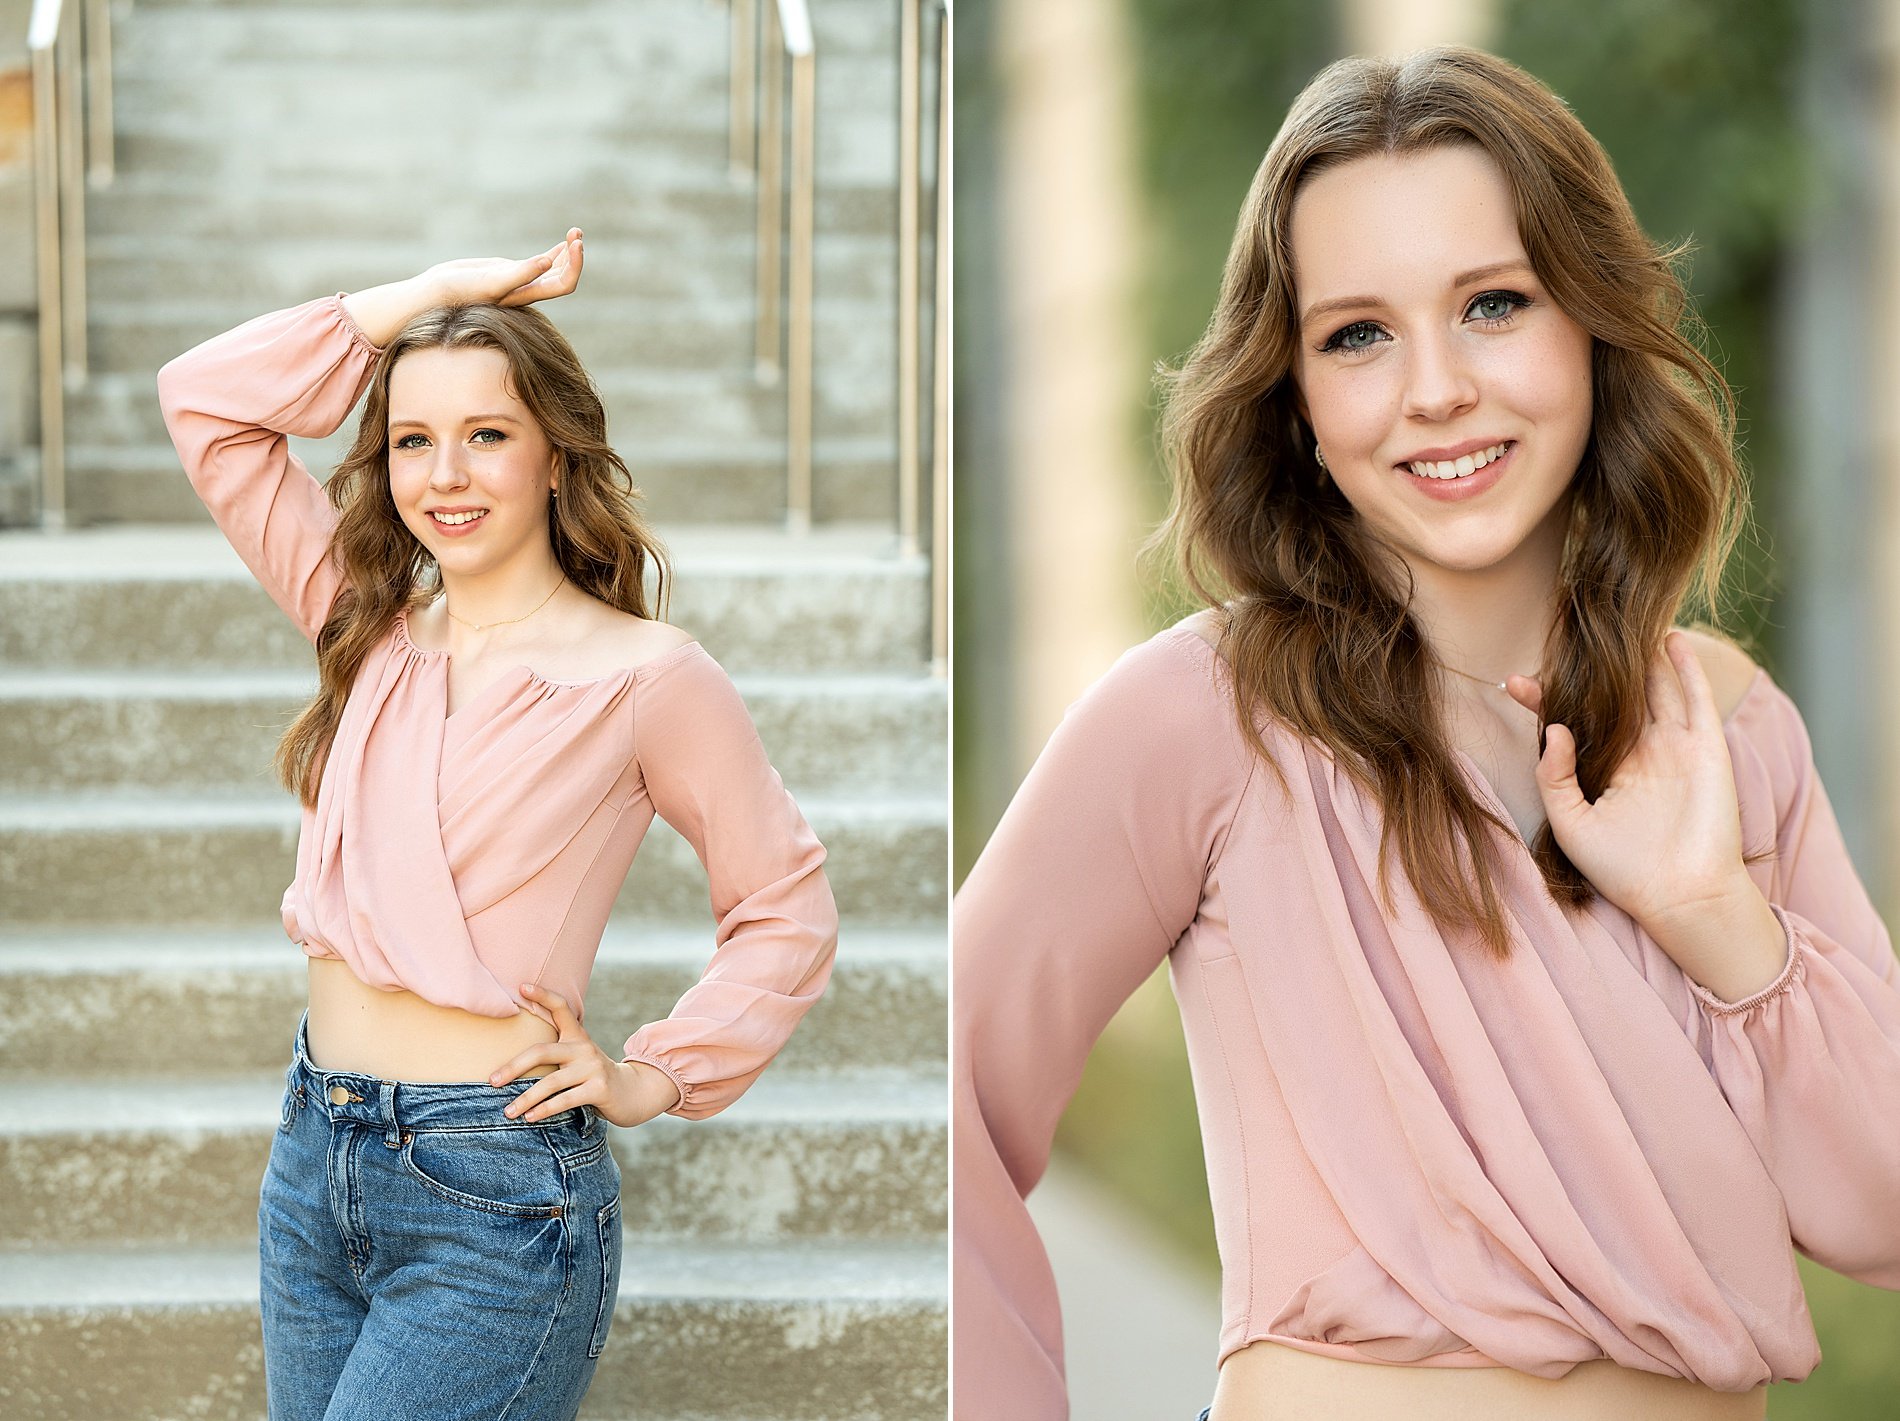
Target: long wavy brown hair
x=1308, y=628
x=598, y=535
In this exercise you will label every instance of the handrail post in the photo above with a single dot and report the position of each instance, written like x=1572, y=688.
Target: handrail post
x=910, y=142
x=940, y=366
x=743, y=139
x=770, y=212
x=99, y=163
x=72, y=197
x=798, y=385
x=42, y=38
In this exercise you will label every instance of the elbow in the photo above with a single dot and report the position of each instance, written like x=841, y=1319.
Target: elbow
x=171, y=391
x=175, y=405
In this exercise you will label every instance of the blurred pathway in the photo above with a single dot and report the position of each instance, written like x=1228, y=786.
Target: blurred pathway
x=1141, y=1330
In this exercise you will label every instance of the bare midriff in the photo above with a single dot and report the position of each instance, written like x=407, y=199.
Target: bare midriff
x=1266, y=1381
x=397, y=1036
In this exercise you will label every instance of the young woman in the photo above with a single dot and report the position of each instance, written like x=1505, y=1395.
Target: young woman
x=1535, y=1012
x=500, y=717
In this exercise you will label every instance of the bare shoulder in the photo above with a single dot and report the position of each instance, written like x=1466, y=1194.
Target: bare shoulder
x=618, y=639
x=1731, y=670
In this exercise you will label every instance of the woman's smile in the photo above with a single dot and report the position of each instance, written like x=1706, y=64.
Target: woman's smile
x=1463, y=479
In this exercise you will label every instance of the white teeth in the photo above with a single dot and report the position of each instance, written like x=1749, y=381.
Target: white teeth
x=459, y=518
x=1460, y=467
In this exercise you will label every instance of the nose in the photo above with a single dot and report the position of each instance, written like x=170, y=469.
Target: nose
x=1437, y=384
x=445, y=471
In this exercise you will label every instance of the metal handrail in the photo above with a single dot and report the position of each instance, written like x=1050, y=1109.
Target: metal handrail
x=940, y=361
x=56, y=46
x=910, y=311
x=759, y=135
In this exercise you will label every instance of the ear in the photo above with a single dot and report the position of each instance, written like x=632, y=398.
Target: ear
x=1299, y=401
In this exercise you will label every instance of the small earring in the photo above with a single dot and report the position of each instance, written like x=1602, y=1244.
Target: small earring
x=1321, y=457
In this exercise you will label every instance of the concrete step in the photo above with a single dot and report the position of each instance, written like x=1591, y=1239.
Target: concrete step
x=178, y=598
x=77, y=1003
x=582, y=80
x=672, y=268
x=861, y=1155
x=123, y=857
x=481, y=218
x=679, y=481
x=828, y=1332
x=239, y=30
x=82, y=730
x=607, y=333
x=697, y=413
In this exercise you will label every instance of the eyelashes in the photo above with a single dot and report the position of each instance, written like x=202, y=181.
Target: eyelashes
x=1342, y=341
x=403, y=443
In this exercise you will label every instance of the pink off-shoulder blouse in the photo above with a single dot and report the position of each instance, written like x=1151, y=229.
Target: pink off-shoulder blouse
x=457, y=856
x=1416, y=1154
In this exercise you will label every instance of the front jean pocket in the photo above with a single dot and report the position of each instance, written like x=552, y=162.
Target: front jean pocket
x=512, y=1170
x=609, y=1238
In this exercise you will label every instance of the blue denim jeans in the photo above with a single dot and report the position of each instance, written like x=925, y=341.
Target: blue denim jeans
x=422, y=1255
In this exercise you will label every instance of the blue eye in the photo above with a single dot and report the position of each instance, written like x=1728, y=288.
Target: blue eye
x=403, y=443
x=1509, y=301
x=1506, y=304
x=1348, y=337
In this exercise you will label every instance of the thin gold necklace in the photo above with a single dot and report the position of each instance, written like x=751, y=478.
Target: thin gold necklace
x=1497, y=685
x=484, y=626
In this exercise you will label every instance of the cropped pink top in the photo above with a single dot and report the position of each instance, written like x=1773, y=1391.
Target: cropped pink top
x=457, y=856
x=1417, y=1154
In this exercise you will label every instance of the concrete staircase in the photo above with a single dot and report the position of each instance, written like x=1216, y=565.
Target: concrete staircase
x=784, y=1259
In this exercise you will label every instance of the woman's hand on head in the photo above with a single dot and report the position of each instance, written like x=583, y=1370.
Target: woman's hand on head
x=506, y=281
x=1665, y=833
x=625, y=1092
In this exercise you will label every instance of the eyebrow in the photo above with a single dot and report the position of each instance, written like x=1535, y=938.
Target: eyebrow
x=472, y=419
x=1463, y=278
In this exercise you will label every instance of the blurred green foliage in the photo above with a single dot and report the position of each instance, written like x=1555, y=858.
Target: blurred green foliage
x=1695, y=103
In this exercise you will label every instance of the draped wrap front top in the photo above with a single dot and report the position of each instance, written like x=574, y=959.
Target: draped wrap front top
x=1418, y=1154
x=458, y=856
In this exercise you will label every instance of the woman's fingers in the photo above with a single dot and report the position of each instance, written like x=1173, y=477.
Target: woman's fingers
x=533, y=1103
x=1662, y=687
x=1527, y=691
x=1698, y=695
x=1557, y=776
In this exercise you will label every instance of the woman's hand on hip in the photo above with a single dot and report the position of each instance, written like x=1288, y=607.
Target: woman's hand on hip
x=624, y=1092
x=507, y=281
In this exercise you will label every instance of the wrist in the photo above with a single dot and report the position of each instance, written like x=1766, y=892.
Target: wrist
x=1727, y=939
x=381, y=311
x=653, y=1086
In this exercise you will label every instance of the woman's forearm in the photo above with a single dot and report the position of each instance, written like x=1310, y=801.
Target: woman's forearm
x=383, y=310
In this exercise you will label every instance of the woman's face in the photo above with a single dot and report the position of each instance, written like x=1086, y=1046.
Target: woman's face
x=1425, y=335
x=459, y=440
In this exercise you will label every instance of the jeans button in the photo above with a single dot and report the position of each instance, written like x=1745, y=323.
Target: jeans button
x=338, y=1094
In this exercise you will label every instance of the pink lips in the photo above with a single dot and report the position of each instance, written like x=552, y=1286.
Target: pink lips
x=1470, y=486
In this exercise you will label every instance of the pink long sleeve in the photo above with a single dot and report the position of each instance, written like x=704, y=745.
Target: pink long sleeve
x=1811, y=1063
x=777, y=924
x=228, y=404
x=1093, y=873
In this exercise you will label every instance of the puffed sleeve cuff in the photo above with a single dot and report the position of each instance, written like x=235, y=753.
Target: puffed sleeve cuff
x=348, y=322
x=1810, y=1065
x=1791, y=971
x=683, y=1107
